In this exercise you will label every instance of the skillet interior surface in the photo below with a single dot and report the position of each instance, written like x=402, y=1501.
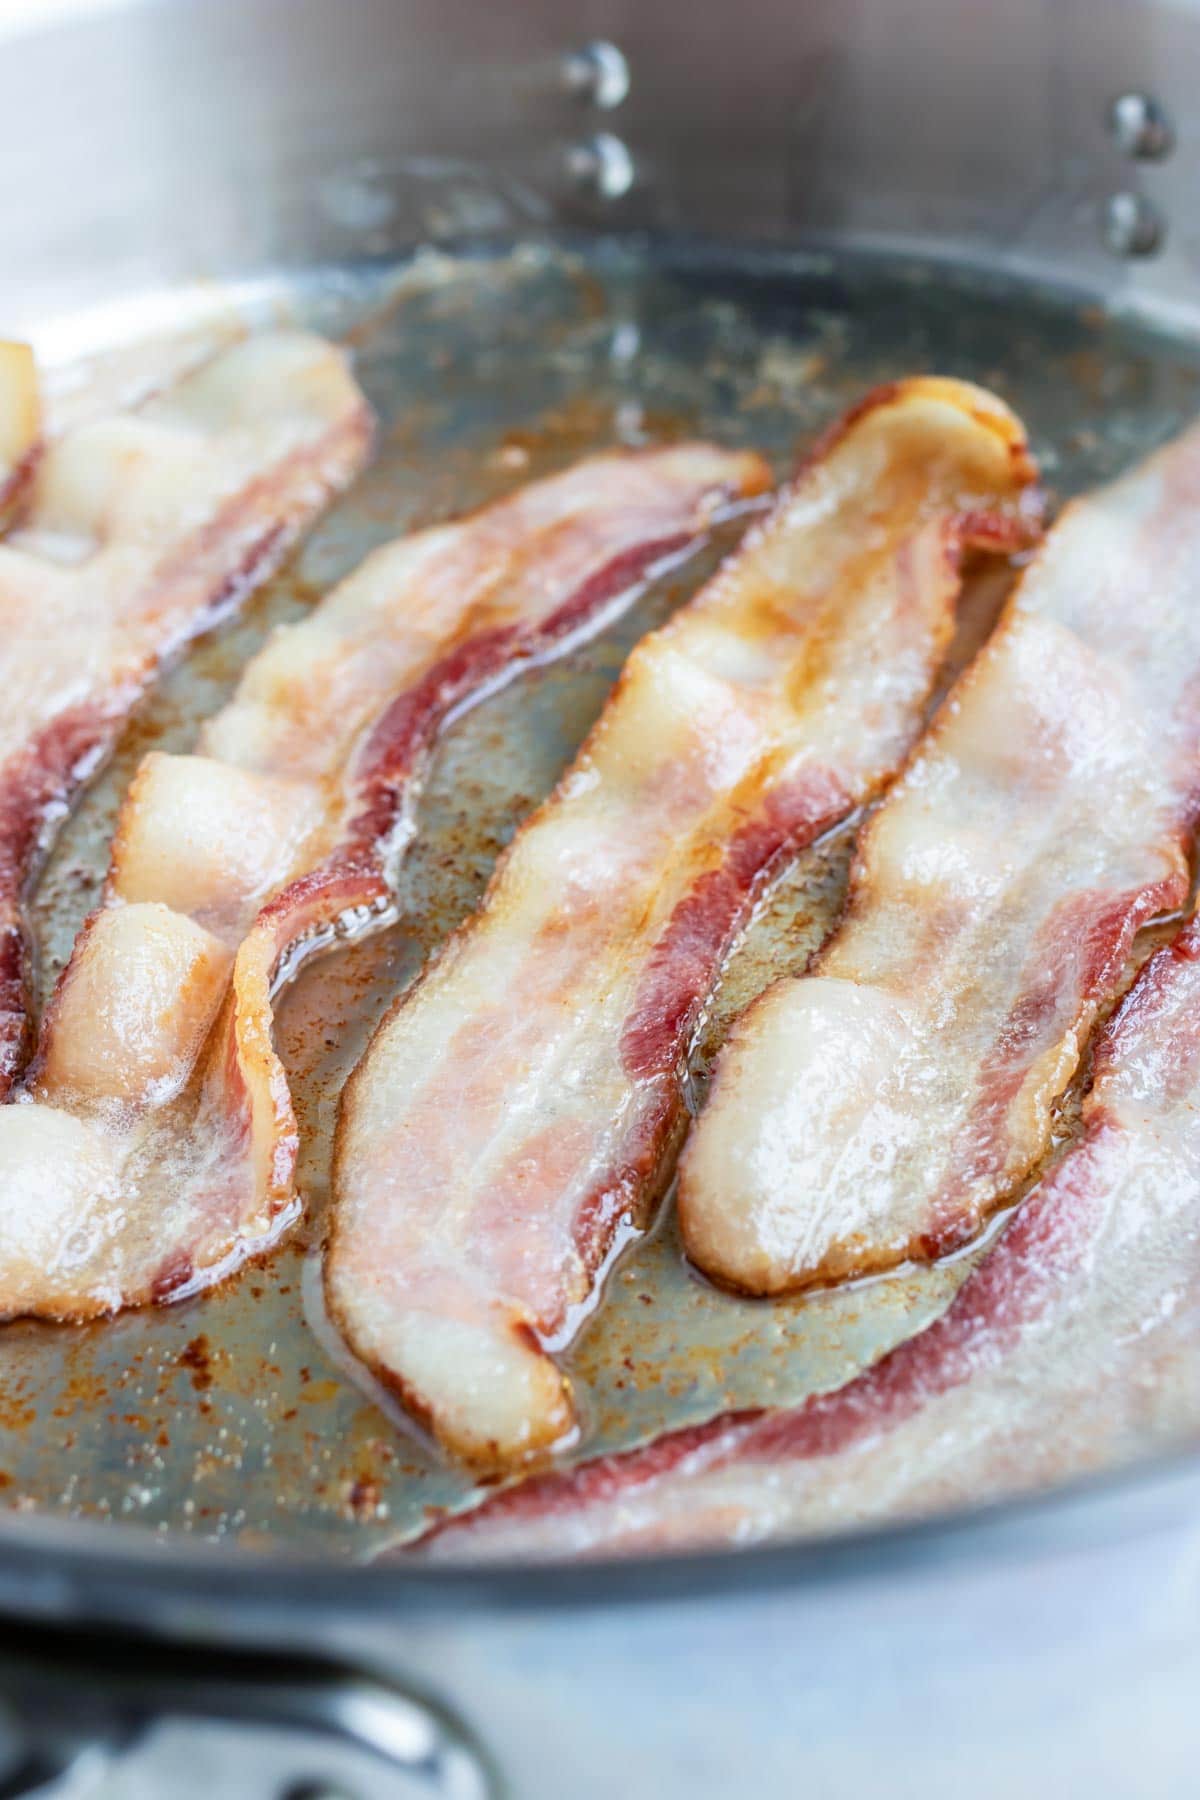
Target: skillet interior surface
x=234, y=1416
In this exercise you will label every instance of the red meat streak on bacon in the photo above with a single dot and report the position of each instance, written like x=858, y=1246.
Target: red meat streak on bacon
x=677, y=981
x=406, y=729
x=682, y=964
x=1081, y=952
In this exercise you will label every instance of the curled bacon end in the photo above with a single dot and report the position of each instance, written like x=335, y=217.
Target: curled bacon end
x=521, y=1105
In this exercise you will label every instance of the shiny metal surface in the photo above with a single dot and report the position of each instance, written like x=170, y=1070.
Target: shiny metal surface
x=239, y=136
x=235, y=1416
x=135, y=1719
x=1141, y=126
x=157, y=154
x=1036, y=1651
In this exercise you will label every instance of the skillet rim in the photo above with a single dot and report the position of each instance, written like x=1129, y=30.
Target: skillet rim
x=87, y=1572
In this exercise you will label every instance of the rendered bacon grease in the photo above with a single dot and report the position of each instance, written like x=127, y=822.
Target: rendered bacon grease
x=1065, y=1350
x=155, y=1144
x=140, y=529
x=881, y=1106
x=20, y=418
x=522, y=1103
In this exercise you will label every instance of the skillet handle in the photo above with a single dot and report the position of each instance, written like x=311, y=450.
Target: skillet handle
x=106, y=1716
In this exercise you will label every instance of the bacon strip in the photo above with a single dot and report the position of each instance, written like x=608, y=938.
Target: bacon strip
x=1070, y=1348
x=140, y=529
x=522, y=1103
x=159, y=1147
x=882, y=1106
x=20, y=419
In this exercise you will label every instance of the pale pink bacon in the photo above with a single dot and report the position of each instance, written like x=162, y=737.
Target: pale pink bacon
x=880, y=1107
x=1075, y=1345
x=155, y=1144
x=525, y=1098
x=20, y=420
x=138, y=531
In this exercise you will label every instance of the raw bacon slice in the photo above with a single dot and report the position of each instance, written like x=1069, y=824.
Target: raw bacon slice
x=155, y=1146
x=20, y=419
x=881, y=1106
x=140, y=529
x=1068, y=1349
x=522, y=1103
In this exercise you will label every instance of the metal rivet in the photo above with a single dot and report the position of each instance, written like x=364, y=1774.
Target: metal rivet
x=598, y=73
x=1132, y=226
x=1142, y=127
x=602, y=163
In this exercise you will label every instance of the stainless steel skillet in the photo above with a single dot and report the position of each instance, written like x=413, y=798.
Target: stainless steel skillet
x=783, y=206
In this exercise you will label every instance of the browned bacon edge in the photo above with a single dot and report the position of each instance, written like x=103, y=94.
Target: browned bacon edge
x=351, y=891
x=39, y=786
x=1101, y=931
x=1023, y=1274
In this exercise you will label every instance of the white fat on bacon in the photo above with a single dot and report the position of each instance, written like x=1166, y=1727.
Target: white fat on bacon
x=1074, y=1346
x=137, y=530
x=881, y=1106
x=153, y=1144
x=522, y=1103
